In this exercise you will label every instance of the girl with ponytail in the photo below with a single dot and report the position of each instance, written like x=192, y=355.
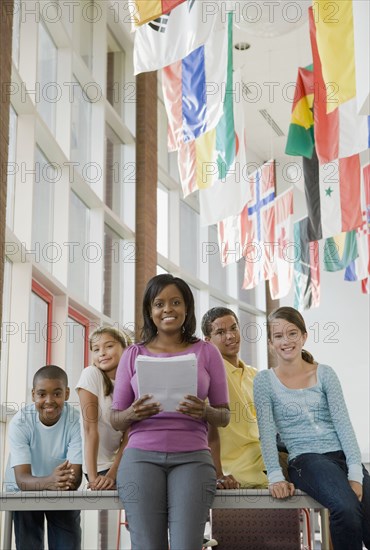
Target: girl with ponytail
x=302, y=400
x=103, y=446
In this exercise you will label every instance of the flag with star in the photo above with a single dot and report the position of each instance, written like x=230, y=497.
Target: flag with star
x=333, y=196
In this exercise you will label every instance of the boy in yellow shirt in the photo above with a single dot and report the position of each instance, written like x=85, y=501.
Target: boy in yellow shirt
x=235, y=449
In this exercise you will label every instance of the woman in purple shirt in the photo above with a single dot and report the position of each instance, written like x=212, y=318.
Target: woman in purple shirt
x=166, y=479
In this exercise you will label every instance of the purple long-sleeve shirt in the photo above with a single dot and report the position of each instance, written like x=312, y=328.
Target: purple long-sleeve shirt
x=171, y=431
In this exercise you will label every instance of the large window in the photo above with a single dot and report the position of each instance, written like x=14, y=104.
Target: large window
x=189, y=239
x=162, y=220
x=115, y=171
x=217, y=273
x=78, y=260
x=5, y=331
x=47, y=77
x=39, y=332
x=43, y=210
x=117, y=91
x=12, y=167
x=16, y=31
x=90, y=14
x=80, y=128
x=77, y=356
x=113, y=274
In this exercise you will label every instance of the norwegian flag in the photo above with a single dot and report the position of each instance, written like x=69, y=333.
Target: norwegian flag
x=260, y=227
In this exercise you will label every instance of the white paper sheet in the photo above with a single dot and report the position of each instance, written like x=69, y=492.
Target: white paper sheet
x=168, y=379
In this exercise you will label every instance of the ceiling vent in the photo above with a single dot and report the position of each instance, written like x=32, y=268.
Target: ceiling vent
x=278, y=131
x=242, y=46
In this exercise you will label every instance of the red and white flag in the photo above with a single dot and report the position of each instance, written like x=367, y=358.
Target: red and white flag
x=340, y=195
x=341, y=132
x=281, y=281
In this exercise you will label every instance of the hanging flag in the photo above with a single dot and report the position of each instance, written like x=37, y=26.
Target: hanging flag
x=173, y=36
x=335, y=44
x=360, y=267
x=225, y=135
x=361, y=18
x=284, y=249
x=199, y=165
x=306, y=268
x=341, y=132
x=194, y=90
x=340, y=251
x=232, y=235
x=300, y=140
x=194, y=159
x=227, y=196
x=147, y=10
x=260, y=227
x=333, y=196
x=365, y=286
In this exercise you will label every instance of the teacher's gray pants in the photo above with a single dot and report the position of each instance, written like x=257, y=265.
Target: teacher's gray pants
x=166, y=490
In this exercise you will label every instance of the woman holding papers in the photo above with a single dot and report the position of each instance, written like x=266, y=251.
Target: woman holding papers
x=166, y=479
x=303, y=401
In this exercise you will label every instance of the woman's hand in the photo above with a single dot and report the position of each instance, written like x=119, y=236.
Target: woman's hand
x=227, y=482
x=142, y=411
x=356, y=488
x=193, y=406
x=102, y=483
x=282, y=489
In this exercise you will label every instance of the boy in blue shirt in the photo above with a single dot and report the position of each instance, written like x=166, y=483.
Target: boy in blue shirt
x=46, y=454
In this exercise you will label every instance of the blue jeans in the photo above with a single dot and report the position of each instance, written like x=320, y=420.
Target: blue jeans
x=64, y=531
x=324, y=477
x=163, y=491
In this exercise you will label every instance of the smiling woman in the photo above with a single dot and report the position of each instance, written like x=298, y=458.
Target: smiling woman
x=167, y=457
x=303, y=401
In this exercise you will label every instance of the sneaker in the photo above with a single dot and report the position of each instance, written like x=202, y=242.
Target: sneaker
x=209, y=543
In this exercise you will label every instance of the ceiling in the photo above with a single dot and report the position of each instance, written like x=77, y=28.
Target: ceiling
x=269, y=69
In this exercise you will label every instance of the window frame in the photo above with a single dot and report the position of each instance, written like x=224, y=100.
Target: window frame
x=85, y=322
x=47, y=297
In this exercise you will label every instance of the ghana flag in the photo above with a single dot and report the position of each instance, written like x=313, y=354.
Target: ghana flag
x=301, y=137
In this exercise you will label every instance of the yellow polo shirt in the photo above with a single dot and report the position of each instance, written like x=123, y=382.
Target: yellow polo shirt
x=240, y=447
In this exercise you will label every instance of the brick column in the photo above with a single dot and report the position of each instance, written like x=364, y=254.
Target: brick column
x=146, y=186
x=6, y=24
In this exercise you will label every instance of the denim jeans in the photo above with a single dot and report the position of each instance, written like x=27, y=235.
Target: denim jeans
x=324, y=477
x=64, y=532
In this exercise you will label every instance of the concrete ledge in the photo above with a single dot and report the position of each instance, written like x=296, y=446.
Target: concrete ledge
x=109, y=500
